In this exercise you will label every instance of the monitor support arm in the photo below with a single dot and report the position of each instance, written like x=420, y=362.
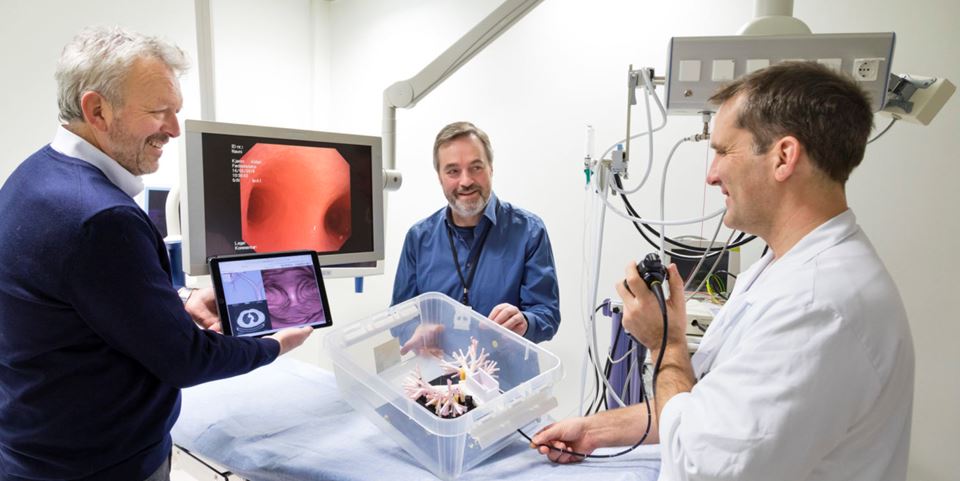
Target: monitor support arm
x=406, y=93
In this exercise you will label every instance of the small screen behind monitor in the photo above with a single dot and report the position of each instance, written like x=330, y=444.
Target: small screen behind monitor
x=259, y=190
x=155, y=205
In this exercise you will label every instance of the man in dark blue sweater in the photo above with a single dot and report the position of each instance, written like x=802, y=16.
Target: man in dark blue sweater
x=95, y=343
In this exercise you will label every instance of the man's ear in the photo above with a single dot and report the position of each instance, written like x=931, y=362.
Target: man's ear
x=787, y=152
x=97, y=112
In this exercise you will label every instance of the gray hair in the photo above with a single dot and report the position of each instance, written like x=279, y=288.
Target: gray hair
x=455, y=131
x=99, y=58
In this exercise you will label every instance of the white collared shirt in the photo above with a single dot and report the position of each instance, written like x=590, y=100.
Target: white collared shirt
x=71, y=144
x=805, y=374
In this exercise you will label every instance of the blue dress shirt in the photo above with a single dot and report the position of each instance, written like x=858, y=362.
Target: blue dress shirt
x=515, y=265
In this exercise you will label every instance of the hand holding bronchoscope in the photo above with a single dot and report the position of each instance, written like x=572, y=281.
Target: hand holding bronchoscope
x=645, y=303
x=568, y=441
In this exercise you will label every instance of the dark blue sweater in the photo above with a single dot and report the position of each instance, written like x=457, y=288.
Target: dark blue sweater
x=94, y=341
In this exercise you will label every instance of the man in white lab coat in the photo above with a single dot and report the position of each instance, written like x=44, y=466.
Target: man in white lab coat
x=807, y=371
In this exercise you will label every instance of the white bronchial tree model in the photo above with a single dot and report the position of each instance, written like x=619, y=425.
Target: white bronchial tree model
x=449, y=400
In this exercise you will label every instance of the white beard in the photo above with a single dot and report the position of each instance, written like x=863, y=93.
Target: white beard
x=472, y=209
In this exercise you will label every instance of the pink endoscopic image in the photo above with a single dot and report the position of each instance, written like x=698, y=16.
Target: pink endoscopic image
x=293, y=297
x=294, y=197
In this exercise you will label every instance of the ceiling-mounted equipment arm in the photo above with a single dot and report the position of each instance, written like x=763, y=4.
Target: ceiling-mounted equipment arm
x=406, y=93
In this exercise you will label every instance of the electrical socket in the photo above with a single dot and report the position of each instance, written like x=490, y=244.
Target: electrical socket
x=866, y=69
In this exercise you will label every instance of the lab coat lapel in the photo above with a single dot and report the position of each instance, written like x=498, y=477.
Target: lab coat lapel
x=823, y=237
x=727, y=318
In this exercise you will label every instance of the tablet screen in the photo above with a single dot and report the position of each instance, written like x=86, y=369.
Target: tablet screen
x=263, y=293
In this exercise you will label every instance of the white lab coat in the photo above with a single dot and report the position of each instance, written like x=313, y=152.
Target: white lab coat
x=805, y=374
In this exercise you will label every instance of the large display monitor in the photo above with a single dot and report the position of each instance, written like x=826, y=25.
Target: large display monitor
x=248, y=189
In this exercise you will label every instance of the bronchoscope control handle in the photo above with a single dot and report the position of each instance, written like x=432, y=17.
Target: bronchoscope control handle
x=651, y=269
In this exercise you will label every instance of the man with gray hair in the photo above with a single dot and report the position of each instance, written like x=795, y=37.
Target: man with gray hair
x=95, y=343
x=490, y=255
x=806, y=373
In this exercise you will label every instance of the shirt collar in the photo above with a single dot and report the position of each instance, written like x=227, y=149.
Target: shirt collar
x=816, y=241
x=827, y=235
x=72, y=145
x=490, y=211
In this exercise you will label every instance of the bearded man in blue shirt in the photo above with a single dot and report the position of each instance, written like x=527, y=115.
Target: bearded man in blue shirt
x=484, y=252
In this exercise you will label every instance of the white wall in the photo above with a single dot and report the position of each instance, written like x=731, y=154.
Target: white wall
x=559, y=68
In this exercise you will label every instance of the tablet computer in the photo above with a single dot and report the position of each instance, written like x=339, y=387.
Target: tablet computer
x=259, y=294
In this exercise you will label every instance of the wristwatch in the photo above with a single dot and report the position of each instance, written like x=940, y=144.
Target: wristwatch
x=184, y=293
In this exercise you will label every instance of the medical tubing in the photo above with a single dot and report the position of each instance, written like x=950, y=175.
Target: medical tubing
x=657, y=289
x=737, y=243
x=607, y=367
x=589, y=207
x=718, y=255
x=596, y=377
x=663, y=191
x=595, y=395
x=715, y=250
x=662, y=222
x=709, y=273
x=885, y=129
x=625, y=390
x=591, y=329
x=591, y=334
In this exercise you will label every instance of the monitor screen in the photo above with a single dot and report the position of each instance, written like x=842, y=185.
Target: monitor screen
x=250, y=189
x=155, y=205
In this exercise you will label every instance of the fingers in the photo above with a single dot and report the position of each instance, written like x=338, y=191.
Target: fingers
x=676, y=283
x=502, y=313
x=424, y=338
x=496, y=311
x=517, y=324
x=408, y=346
x=202, y=307
x=552, y=440
x=546, y=434
x=291, y=338
x=632, y=285
x=623, y=290
x=210, y=322
x=557, y=451
x=510, y=317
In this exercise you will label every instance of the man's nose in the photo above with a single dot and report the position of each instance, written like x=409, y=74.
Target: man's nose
x=712, y=175
x=172, y=125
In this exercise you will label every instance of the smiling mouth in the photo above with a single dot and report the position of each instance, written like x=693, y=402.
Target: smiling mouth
x=157, y=144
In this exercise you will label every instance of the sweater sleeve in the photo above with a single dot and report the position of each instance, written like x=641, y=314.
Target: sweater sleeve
x=119, y=287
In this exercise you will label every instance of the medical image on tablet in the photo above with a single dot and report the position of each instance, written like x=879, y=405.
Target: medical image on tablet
x=263, y=294
x=293, y=297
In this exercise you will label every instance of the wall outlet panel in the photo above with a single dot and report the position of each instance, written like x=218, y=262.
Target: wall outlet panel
x=686, y=95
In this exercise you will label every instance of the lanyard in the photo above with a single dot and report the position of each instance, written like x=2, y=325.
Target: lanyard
x=471, y=262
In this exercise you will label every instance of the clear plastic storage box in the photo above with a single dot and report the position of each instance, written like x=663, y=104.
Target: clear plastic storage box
x=371, y=372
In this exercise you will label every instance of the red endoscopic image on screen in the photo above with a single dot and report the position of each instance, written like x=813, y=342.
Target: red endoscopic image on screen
x=294, y=197
x=293, y=297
